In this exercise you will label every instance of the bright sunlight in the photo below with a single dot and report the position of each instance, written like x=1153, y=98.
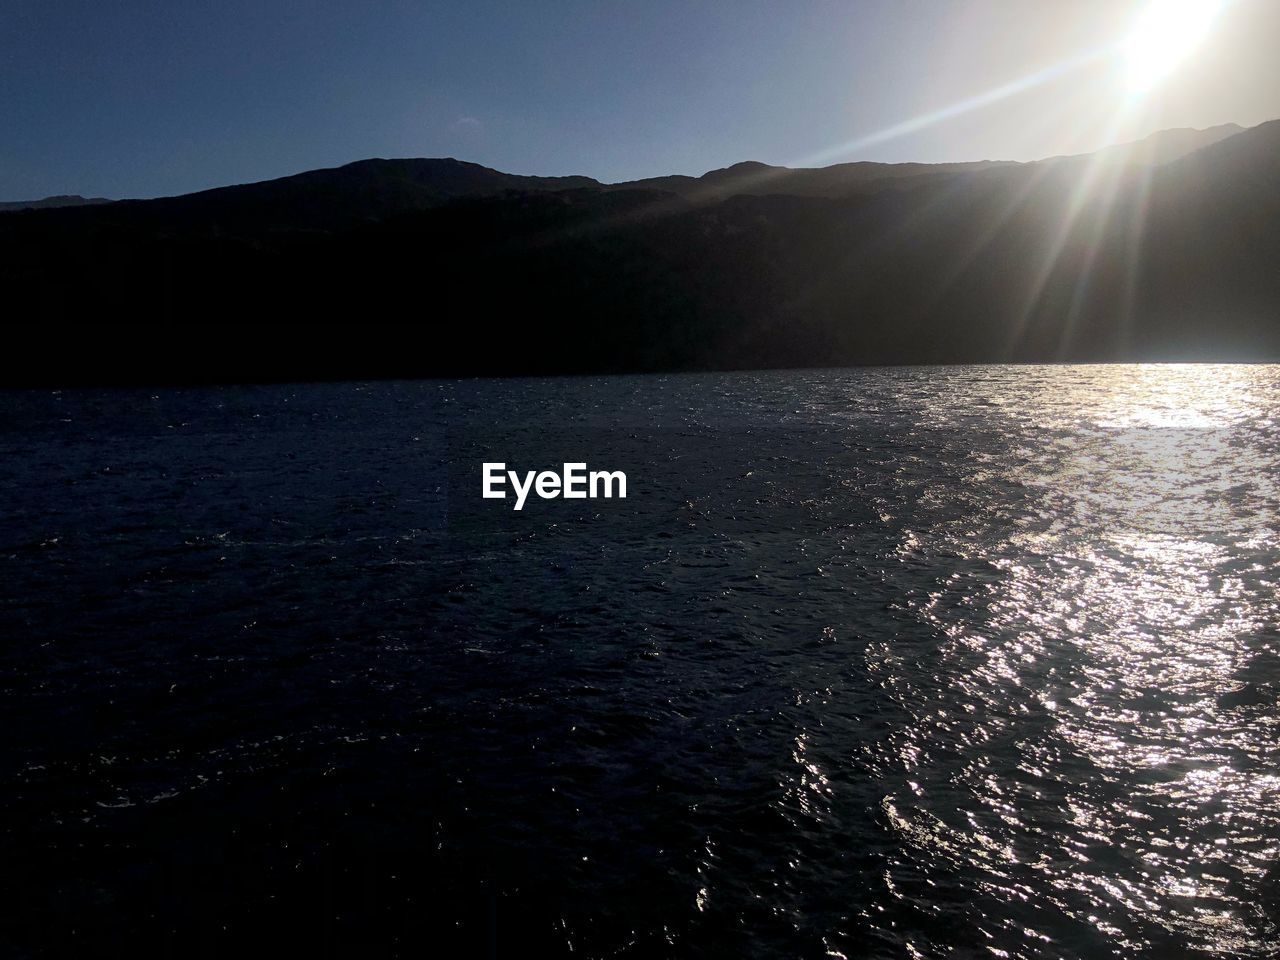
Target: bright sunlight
x=1164, y=35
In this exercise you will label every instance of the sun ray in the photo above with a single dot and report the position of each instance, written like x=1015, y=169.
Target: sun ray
x=956, y=109
x=1163, y=36
x=1082, y=193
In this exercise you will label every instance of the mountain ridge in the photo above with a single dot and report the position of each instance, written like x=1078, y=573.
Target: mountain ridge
x=377, y=187
x=1013, y=264
x=55, y=202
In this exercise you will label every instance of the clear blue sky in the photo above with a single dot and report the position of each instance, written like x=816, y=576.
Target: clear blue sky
x=138, y=98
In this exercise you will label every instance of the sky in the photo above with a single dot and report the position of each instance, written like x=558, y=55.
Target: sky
x=135, y=98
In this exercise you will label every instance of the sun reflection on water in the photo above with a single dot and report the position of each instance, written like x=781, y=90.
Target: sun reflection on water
x=1126, y=655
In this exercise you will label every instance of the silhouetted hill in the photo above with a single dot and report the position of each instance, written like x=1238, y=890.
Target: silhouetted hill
x=1032, y=262
x=1249, y=160
x=847, y=179
x=843, y=179
x=51, y=203
x=1212, y=229
x=367, y=189
x=376, y=189
x=1160, y=148
x=327, y=199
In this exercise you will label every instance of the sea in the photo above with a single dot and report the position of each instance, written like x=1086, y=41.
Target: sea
x=949, y=662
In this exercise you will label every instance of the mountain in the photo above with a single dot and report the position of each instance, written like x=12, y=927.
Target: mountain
x=488, y=274
x=847, y=179
x=1249, y=161
x=376, y=189
x=1160, y=148
x=364, y=190
x=331, y=198
x=50, y=203
x=843, y=179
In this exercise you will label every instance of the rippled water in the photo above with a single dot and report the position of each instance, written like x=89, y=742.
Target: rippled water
x=871, y=663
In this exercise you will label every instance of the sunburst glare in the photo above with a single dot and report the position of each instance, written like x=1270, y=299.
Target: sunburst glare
x=1164, y=35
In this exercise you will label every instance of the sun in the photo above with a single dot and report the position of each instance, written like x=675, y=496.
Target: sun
x=1165, y=34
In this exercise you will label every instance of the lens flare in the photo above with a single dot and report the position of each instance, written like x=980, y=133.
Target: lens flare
x=1164, y=35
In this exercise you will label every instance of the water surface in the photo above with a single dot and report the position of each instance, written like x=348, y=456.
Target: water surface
x=871, y=663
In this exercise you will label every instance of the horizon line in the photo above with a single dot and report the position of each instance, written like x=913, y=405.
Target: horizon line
x=609, y=183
